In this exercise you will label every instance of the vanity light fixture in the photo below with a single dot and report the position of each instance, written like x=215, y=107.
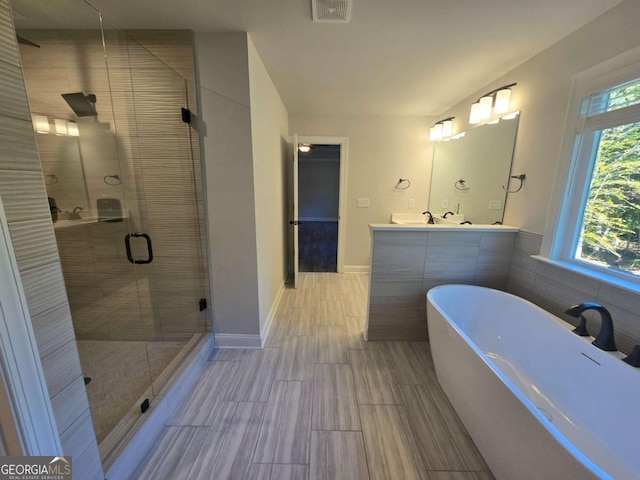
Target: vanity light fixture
x=304, y=147
x=482, y=109
x=72, y=129
x=41, y=124
x=441, y=130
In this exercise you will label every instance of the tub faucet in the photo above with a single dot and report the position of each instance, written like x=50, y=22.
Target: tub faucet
x=430, y=221
x=604, y=340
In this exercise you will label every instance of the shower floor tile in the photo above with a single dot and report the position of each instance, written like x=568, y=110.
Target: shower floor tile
x=120, y=372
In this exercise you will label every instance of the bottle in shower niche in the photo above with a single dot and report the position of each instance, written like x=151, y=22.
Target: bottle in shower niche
x=109, y=209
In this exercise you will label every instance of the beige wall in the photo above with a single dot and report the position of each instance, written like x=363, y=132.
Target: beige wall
x=269, y=128
x=542, y=95
x=382, y=149
x=223, y=69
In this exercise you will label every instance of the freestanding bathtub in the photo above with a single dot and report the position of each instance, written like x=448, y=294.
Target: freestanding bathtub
x=539, y=401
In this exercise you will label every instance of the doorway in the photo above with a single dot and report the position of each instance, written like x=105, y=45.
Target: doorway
x=318, y=207
x=317, y=186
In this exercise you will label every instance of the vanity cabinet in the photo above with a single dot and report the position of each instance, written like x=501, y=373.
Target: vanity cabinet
x=406, y=261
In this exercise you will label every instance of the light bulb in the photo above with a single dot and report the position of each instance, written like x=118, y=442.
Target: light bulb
x=435, y=133
x=304, y=148
x=475, y=117
x=72, y=129
x=503, y=98
x=61, y=127
x=41, y=124
x=447, y=128
x=485, y=107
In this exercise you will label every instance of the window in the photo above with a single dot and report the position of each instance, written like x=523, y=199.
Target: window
x=600, y=213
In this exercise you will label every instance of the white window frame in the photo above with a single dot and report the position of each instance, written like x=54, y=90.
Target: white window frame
x=573, y=176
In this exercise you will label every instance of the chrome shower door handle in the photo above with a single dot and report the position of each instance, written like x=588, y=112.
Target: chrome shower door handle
x=127, y=244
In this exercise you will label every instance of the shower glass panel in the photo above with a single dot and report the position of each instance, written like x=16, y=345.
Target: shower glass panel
x=124, y=182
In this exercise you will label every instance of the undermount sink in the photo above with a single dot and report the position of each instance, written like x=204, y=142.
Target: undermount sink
x=419, y=219
x=408, y=219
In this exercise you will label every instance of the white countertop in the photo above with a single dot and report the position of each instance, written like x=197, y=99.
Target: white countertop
x=389, y=227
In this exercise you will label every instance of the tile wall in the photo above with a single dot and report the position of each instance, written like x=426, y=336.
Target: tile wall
x=556, y=289
x=23, y=193
x=405, y=265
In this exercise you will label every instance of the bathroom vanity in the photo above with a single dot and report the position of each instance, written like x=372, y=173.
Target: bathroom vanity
x=407, y=260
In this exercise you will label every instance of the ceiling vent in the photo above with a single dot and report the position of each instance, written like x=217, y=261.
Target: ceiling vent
x=331, y=11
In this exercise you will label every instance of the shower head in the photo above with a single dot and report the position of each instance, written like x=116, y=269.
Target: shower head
x=81, y=104
x=24, y=41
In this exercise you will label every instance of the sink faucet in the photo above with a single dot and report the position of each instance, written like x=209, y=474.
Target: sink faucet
x=430, y=221
x=448, y=213
x=604, y=340
x=75, y=215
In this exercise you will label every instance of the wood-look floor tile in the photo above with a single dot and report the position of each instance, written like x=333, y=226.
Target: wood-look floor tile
x=252, y=382
x=284, y=435
x=441, y=437
x=174, y=454
x=266, y=471
x=200, y=408
x=301, y=322
x=330, y=312
x=331, y=344
x=459, y=476
x=229, y=446
x=278, y=331
x=354, y=327
x=338, y=456
x=373, y=378
x=355, y=305
x=335, y=406
x=229, y=354
x=296, y=359
x=411, y=362
x=392, y=452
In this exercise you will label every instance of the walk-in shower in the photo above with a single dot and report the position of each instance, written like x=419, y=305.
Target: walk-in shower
x=122, y=173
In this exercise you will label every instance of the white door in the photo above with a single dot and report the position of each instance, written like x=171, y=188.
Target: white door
x=293, y=221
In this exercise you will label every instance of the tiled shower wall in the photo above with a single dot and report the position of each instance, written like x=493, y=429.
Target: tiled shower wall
x=556, y=289
x=155, y=154
x=25, y=200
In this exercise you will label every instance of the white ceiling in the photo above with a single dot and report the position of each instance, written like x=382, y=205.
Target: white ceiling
x=402, y=57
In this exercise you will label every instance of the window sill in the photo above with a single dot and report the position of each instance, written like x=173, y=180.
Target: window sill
x=601, y=276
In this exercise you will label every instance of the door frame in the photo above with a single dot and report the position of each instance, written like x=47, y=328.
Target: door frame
x=342, y=192
x=27, y=422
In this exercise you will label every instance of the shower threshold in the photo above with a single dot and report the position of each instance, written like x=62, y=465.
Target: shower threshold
x=133, y=421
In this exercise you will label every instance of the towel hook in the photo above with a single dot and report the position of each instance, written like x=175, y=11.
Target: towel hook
x=520, y=177
x=463, y=186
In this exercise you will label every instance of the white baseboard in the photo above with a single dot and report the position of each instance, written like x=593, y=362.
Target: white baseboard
x=264, y=332
x=356, y=269
x=231, y=340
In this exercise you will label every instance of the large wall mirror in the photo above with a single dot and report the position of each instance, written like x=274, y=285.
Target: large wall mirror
x=469, y=172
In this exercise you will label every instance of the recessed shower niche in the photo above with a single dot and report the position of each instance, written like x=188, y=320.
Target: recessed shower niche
x=123, y=176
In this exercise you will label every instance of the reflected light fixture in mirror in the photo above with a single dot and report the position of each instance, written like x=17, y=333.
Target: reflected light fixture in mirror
x=304, y=147
x=72, y=129
x=41, y=124
x=61, y=127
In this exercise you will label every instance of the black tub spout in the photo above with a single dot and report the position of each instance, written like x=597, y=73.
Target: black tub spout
x=604, y=340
